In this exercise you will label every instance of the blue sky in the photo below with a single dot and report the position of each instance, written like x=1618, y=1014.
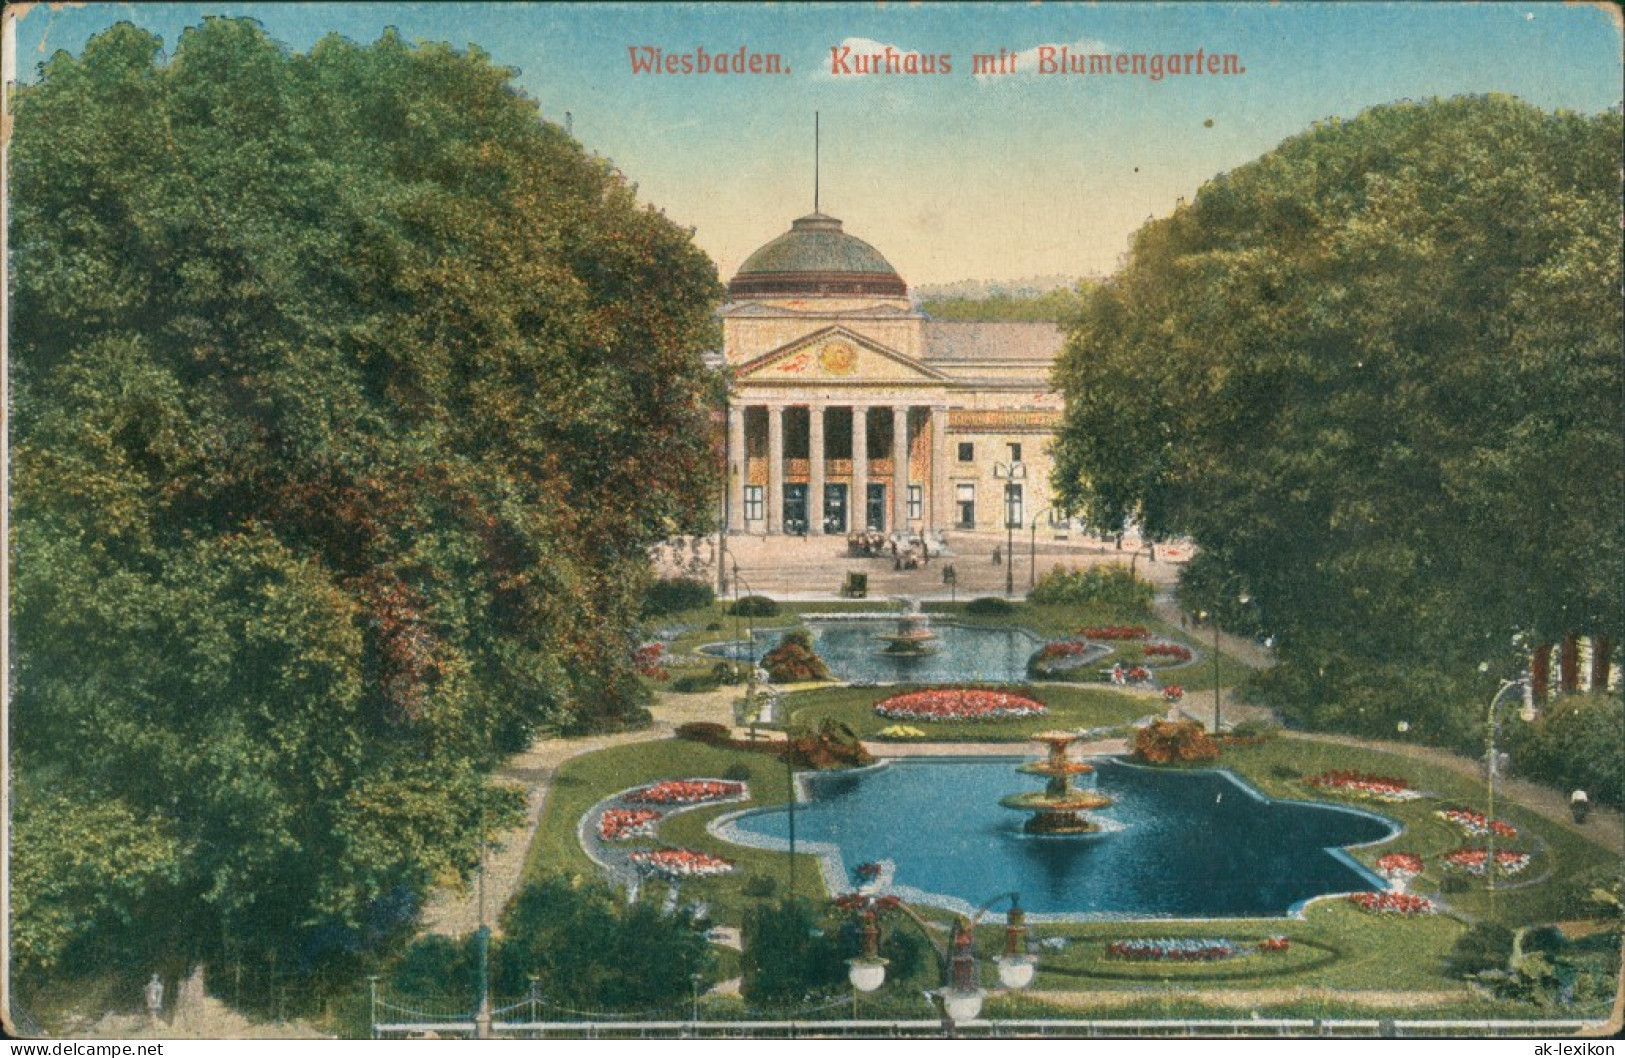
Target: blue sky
x=951, y=176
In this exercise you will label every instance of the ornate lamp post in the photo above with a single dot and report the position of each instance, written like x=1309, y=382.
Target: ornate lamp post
x=1491, y=766
x=1011, y=472
x=961, y=994
x=1244, y=599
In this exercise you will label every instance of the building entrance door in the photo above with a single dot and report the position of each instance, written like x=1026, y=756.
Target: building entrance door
x=834, y=508
x=795, y=510
x=877, y=508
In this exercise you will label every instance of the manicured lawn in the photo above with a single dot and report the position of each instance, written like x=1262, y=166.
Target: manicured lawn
x=1070, y=708
x=1334, y=946
x=1541, y=893
x=584, y=781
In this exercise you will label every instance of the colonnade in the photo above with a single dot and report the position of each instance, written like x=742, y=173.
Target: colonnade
x=866, y=468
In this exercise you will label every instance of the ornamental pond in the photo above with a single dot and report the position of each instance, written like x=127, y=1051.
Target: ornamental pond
x=855, y=652
x=1174, y=844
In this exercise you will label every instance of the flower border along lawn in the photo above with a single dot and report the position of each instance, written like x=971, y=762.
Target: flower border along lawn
x=1068, y=707
x=1335, y=945
x=583, y=781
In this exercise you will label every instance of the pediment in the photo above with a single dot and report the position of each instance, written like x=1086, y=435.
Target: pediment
x=836, y=354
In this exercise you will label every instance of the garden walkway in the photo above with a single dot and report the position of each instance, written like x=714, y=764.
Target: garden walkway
x=1606, y=826
x=455, y=910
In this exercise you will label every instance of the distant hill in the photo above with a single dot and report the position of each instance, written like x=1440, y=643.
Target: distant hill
x=1040, y=298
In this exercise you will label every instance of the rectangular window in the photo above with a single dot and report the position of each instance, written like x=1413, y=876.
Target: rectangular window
x=753, y=503
x=916, y=501
x=967, y=452
x=967, y=506
x=1012, y=505
x=1015, y=452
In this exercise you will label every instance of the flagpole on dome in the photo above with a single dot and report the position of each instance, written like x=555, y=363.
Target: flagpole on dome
x=815, y=161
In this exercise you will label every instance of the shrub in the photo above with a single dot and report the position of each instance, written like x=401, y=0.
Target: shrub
x=990, y=606
x=704, y=731
x=737, y=772
x=832, y=745
x=695, y=683
x=591, y=949
x=754, y=606
x=1485, y=946
x=1574, y=744
x=787, y=957
x=676, y=594
x=1162, y=742
x=1259, y=729
x=760, y=886
x=1115, y=586
x=793, y=660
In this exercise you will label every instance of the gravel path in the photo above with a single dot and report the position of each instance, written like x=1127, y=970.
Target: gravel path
x=456, y=910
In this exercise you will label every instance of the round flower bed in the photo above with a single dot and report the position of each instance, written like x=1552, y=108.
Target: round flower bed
x=1115, y=632
x=681, y=863
x=1364, y=784
x=1475, y=823
x=1471, y=860
x=959, y=704
x=1174, y=949
x=1173, y=693
x=618, y=824
x=1393, y=903
x=687, y=792
x=1399, y=866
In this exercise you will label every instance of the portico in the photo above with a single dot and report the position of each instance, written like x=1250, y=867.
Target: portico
x=850, y=411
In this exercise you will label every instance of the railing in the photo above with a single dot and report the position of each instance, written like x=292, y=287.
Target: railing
x=1017, y=1027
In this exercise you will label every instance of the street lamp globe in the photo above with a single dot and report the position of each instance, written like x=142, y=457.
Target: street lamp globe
x=866, y=974
x=962, y=1004
x=1016, y=971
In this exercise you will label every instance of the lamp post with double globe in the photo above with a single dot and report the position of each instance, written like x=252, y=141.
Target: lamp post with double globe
x=1011, y=472
x=961, y=994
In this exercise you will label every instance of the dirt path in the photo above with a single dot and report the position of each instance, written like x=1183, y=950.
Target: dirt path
x=456, y=910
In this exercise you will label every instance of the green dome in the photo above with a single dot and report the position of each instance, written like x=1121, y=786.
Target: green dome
x=816, y=257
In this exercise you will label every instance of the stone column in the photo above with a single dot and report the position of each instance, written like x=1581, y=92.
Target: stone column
x=940, y=500
x=815, y=469
x=899, y=468
x=736, y=468
x=857, y=518
x=775, y=468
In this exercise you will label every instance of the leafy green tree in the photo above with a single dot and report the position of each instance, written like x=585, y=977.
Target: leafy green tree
x=591, y=950
x=1375, y=374
x=349, y=396
x=788, y=955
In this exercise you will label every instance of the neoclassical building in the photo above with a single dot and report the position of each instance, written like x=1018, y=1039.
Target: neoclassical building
x=852, y=410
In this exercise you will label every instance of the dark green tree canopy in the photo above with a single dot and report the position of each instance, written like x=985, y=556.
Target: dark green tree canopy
x=349, y=395
x=1376, y=375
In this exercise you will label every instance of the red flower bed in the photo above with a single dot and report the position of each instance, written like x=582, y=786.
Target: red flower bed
x=1173, y=692
x=1137, y=674
x=958, y=704
x=620, y=823
x=1274, y=944
x=1475, y=823
x=681, y=863
x=1471, y=860
x=687, y=792
x=1065, y=648
x=1399, y=863
x=1393, y=903
x=1381, y=787
x=1168, y=650
x=1115, y=632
